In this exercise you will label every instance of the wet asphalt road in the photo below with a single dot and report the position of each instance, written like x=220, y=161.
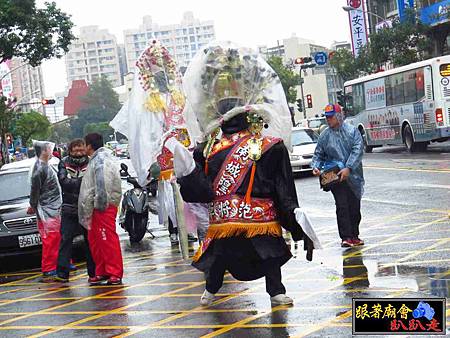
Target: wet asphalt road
x=406, y=226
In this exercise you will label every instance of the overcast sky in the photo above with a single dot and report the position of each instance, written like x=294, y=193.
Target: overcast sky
x=247, y=22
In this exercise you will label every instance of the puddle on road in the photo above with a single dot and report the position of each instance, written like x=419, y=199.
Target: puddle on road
x=361, y=273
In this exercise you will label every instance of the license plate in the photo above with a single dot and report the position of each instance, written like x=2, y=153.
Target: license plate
x=29, y=240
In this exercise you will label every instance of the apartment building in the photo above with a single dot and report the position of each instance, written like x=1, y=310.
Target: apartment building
x=181, y=39
x=93, y=54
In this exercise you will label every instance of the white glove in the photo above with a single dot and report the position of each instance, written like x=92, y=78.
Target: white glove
x=183, y=160
x=305, y=222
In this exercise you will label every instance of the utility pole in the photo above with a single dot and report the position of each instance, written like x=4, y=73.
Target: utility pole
x=304, y=63
x=302, y=80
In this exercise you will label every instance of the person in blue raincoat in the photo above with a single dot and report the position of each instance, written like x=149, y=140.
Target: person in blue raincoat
x=341, y=145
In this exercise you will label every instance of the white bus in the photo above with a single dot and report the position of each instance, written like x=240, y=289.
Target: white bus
x=408, y=105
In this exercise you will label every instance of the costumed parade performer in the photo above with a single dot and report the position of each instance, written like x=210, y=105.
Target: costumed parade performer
x=243, y=171
x=151, y=116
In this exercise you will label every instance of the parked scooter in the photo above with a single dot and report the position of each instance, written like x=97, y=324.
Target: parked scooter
x=135, y=207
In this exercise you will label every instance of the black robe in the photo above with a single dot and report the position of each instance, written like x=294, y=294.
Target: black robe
x=273, y=179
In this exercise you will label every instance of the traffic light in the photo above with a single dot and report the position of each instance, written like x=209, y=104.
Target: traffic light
x=309, y=100
x=48, y=101
x=299, y=105
x=303, y=60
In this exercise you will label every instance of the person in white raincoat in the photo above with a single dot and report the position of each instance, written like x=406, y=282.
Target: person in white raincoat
x=100, y=195
x=46, y=201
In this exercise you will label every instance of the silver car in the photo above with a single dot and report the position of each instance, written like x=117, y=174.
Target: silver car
x=304, y=141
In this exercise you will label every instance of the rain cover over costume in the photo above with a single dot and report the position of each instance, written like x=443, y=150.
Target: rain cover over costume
x=151, y=116
x=245, y=174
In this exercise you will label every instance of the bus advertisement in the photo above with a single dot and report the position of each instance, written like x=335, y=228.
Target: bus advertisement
x=408, y=105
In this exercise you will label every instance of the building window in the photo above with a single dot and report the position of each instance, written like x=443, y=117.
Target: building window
x=191, y=30
x=192, y=39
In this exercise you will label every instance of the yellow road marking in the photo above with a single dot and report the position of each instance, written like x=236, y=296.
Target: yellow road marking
x=181, y=315
x=395, y=237
x=118, y=309
x=274, y=309
x=346, y=314
x=418, y=252
x=69, y=303
x=191, y=311
x=443, y=171
x=91, y=318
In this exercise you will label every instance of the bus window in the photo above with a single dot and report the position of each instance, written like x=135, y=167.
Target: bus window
x=397, y=89
x=420, y=84
x=358, y=96
x=389, y=88
x=409, y=87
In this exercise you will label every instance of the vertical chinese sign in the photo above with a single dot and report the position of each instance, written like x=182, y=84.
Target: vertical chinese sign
x=6, y=82
x=358, y=25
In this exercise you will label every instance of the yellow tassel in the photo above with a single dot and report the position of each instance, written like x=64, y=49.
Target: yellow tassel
x=166, y=174
x=177, y=98
x=248, y=230
x=155, y=103
x=198, y=254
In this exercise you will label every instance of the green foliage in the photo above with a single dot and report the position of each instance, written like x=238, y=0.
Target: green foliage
x=31, y=33
x=61, y=132
x=289, y=79
x=101, y=128
x=405, y=42
x=32, y=125
x=102, y=105
x=7, y=118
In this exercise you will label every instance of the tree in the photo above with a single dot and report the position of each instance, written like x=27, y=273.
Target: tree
x=345, y=64
x=102, y=105
x=289, y=79
x=32, y=33
x=407, y=41
x=32, y=125
x=101, y=128
x=61, y=132
x=7, y=117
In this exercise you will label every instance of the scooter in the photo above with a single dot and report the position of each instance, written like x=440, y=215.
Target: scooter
x=135, y=207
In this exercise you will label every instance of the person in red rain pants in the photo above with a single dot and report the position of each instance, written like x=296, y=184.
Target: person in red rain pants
x=100, y=194
x=45, y=201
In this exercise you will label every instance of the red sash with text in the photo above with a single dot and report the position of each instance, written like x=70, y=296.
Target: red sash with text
x=229, y=214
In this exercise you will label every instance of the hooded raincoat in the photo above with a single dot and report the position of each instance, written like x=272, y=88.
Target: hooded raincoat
x=342, y=145
x=100, y=187
x=45, y=193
